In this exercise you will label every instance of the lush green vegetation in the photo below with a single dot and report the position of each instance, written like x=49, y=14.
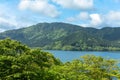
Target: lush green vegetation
x=19, y=62
x=65, y=36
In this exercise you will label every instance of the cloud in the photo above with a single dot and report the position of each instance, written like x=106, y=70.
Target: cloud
x=13, y=19
x=112, y=18
x=2, y=30
x=75, y=4
x=96, y=20
x=81, y=16
x=7, y=20
x=7, y=24
x=40, y=6
x=87, y=20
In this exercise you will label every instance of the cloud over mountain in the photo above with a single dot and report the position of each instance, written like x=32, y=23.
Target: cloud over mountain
x=88, y=13
x=95, y=20
x=40, y=6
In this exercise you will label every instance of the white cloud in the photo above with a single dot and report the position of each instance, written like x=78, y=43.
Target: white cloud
x=10, y=21
x=96, y=20
x=2, y=30
x=87, y=20
x=7, y=19
x=113, y=18
x=7, y=24
x=41, y=6
x=23, y=4
x=75, y=4
x=82, y=16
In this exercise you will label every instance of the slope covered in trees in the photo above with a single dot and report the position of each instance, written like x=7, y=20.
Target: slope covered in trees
x=19, y=62
x=65, y=36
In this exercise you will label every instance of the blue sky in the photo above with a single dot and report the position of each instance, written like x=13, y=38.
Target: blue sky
x=87, y=13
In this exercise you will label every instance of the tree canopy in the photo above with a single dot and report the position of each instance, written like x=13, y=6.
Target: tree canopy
x=19, y=62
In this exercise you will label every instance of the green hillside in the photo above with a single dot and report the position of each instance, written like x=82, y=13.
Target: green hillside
x=64, y=36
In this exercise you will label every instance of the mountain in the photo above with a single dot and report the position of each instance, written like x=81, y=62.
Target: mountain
x=66, y=36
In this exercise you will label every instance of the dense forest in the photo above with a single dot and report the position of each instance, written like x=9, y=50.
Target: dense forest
x=19, y=62
x=64, y=36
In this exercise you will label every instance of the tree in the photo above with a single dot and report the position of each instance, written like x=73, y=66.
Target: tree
x=19, y=62
x=89, y=67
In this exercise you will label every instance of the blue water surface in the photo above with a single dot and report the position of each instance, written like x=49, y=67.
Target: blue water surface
x=65, y=56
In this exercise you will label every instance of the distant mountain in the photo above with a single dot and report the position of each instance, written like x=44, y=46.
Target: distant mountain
x=66, y=36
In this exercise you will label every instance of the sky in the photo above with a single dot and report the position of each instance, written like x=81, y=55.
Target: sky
x=16, y=14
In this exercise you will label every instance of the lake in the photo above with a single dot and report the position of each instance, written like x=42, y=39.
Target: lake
x=65, y=56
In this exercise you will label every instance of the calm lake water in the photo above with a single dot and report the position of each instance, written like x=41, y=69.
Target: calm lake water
x=65, y=56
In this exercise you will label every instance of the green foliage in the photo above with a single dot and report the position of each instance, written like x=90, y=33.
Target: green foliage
x=65, y=36
x=89, y=67
x=19, y=62
x=11, y=47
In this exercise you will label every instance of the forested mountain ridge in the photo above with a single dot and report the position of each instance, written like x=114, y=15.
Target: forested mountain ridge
x=66, y=36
